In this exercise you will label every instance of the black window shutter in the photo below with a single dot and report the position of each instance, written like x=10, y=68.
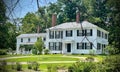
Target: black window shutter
x=49, y=34
x=91, y=45
x=49, y=45
x=77, y=32
x=61, y=34
x=82, y=45
x=77, y=45
x=83, y=33
x=71, y=32
x=53, y=34
x=66, y=33
x=91, y=32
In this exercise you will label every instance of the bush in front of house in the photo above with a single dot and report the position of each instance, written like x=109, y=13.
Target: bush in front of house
x=34, y=51
x=46, y=51
x=18, y=66
x=3, y=52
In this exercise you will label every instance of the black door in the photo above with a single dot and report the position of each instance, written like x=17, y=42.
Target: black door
x=69, y=47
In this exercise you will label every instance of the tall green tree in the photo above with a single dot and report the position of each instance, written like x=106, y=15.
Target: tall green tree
x=3, y=26
x=39, y=45
x=114, y=22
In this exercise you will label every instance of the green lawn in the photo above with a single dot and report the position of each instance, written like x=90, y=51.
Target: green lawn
x=41, y=59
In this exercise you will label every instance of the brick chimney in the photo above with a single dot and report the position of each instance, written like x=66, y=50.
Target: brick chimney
x=54, y=17
x=77, y=17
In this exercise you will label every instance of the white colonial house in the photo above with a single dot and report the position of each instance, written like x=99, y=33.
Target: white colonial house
x=76, y=38
x=69, y=38
x=28, y=39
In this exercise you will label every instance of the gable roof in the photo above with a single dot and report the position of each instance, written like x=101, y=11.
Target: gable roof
x=75, y=25
x=32, y=35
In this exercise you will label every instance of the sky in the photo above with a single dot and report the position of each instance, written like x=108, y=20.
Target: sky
x=24, y=6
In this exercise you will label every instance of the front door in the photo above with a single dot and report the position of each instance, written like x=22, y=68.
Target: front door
x=68, y=47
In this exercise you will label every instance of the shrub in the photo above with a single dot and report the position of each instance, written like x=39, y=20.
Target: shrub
x=3, y=66
x=19, y=66
x=81, y=67
x=34, y=51
x=29, y=65
x=3, y=63
x=35, y=66
x=110, y=49
x=51, y=68
x=46, y=51
x=3, y=52
x=70, y=69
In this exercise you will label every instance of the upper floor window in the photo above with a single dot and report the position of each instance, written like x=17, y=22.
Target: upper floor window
x=86, y=32
x=69, y=33
x=106, y=36
x=21, y=39
x=58, y=34
x=51, y=34
x=98, y=33
x=28, y=39
x=102, y=34
x=80, y=32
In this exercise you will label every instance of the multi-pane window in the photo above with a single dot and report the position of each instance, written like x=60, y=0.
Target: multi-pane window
x=51, y=45
x=102, y=34
x=106, y=36
x=84, y=45
x=58, y=34
x=28, y=39
x=86, y=32
x=61, y=34
x=55, y=45
x=88, y=45
x=80, y=32
x=21, y=39
x=98, y=33
x=89, y=32
x=51, y=34
x=69, y=33
x=79, y=46
x=98, y=46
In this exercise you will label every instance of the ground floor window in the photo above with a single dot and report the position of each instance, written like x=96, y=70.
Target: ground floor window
x=84, y=45
x=98, y=46
x=55, y=45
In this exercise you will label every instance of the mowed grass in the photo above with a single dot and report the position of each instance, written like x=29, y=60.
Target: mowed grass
x=41, y=58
